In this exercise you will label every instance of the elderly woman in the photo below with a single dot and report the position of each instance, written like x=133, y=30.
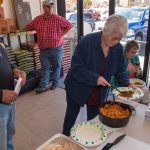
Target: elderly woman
x=97, y=57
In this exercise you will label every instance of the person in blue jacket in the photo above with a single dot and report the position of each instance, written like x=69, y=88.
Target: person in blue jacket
x=7, y=99
x=97, y=57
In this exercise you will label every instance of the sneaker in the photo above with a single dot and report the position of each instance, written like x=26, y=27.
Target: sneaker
x=41, y=90
x=53, y=86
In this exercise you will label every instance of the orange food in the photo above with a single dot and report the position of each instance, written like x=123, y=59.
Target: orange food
x=1, y=1
x=114, y=111
x=138, y=83
x=126, y=94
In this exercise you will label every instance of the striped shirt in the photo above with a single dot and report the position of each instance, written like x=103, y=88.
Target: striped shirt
x=49, y=30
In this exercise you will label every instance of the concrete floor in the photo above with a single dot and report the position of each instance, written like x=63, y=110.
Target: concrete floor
x=39, y=117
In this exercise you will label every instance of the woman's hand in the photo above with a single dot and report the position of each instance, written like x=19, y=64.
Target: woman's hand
x=134, y=69
x=19, y=73
x=102, y=81
x=137, y=71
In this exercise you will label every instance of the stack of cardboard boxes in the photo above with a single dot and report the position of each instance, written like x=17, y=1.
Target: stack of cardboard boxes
x=6, y=25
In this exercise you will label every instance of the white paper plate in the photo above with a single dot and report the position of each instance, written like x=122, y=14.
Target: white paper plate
x=136, y=95
x=134, y=80
x=88, y=133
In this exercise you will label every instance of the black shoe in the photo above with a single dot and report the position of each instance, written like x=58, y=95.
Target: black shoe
x=41, y=90
x=53, y=86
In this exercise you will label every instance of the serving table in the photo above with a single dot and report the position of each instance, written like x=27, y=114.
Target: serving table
x=137, y=131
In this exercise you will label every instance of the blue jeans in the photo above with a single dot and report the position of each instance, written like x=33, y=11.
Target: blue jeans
x=50, y=57
x=7, y=126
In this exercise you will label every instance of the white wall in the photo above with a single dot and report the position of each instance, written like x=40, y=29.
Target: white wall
x=8, y=9
x=35, y=8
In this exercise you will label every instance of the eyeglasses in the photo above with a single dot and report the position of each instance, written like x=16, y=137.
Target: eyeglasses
x=48, y=6
x=116, y=38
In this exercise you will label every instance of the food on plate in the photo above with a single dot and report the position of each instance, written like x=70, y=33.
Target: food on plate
x=126, y=94
x=114, y=111
x=129, y=93
x=137, y=83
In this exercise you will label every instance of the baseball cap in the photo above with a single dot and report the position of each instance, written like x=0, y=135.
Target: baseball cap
x=47, y=2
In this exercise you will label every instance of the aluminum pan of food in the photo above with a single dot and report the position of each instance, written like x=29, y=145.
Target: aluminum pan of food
x=60, y=142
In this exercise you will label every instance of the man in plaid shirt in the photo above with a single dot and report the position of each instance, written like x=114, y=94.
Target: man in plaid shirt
x=50, y=29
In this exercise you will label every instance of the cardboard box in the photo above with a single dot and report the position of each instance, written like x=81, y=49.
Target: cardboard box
x=11, y=25
x=3, y=27
x=2, y=17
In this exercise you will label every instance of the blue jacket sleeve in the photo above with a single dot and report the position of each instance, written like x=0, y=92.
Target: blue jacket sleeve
x=80, y=63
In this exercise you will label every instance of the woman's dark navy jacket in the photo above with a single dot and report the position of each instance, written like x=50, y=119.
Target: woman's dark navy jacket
x=87, y=62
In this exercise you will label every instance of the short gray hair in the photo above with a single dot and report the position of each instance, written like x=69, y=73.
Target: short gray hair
x=47, y=2
x=116, y=23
